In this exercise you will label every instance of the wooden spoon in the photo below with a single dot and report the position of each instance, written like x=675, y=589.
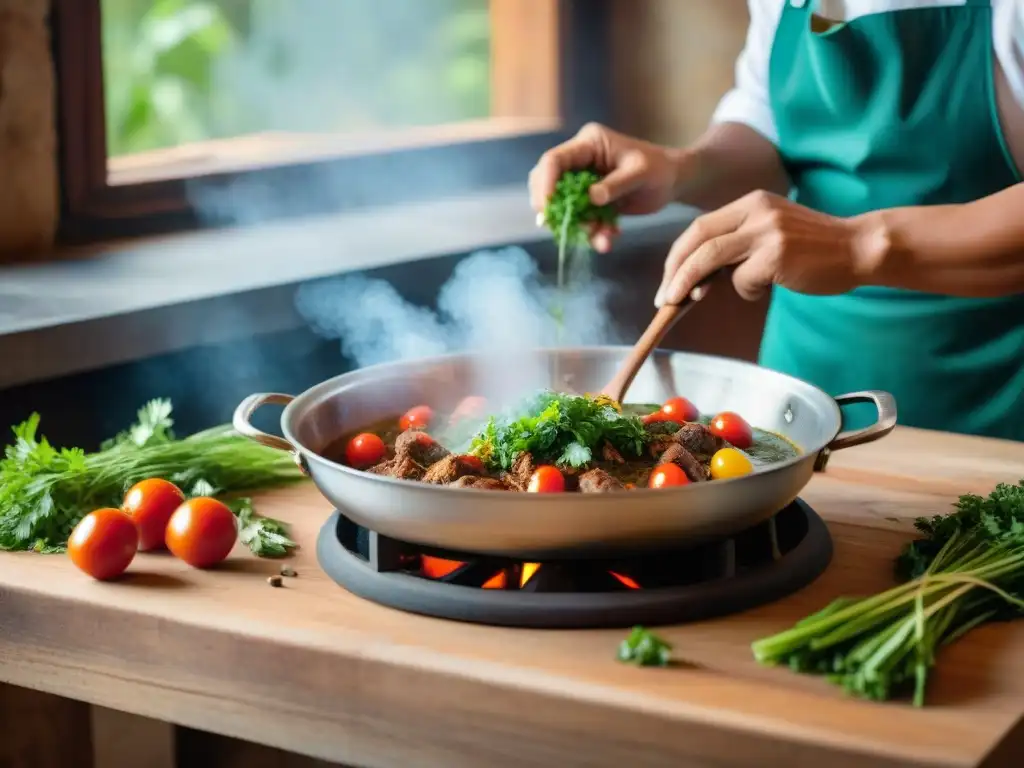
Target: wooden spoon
x=663, y=321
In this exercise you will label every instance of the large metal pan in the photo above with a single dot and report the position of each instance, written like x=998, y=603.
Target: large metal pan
x=572, y=524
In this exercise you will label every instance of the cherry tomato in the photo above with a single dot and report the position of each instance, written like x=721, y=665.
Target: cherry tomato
x=473, y=461
x=364, y=450
x=417, y=418
x=666, y=475
x=546, y=479
x=472, y=407
x=653, y=418
x=103, y=543
x=733, y=429
x=151, y=504
x=728, y=462
x=201, y=532
x=679, y=409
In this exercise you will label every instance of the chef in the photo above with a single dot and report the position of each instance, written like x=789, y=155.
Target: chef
x=866, y=170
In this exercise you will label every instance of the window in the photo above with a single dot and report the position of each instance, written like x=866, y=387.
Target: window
x=177, y=112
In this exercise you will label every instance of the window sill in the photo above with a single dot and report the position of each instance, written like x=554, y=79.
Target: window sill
x=121, y=302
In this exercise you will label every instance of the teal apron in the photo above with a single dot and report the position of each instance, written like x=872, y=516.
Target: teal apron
x=896, y=109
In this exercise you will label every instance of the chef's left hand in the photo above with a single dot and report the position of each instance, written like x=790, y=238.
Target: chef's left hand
x=773, y=241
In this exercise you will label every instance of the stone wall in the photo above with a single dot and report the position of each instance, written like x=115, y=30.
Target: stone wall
x=29, y=201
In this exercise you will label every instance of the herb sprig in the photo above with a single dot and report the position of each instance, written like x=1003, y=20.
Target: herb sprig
x=558, y=429
x=45, y=491
x=967, y=570
x=644, y=649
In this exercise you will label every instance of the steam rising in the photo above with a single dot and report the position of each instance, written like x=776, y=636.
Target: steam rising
x=495, y=304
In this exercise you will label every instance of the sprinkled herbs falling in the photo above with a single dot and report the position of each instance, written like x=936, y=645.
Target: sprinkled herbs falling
x=569, y=215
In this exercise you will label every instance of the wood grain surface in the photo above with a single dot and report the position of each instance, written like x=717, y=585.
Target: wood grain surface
x=312, y=669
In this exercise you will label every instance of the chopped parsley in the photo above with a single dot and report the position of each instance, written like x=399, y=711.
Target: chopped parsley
x=645, y=649
x=560, y=429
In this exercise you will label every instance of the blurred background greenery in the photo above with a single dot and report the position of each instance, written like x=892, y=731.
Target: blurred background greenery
x=178, y=71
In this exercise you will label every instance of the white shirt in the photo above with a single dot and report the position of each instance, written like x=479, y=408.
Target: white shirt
x=748, y=103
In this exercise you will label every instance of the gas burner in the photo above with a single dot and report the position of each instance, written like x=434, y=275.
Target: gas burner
x=760, y=565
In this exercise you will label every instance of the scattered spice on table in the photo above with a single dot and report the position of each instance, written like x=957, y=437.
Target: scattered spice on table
x=275, y=581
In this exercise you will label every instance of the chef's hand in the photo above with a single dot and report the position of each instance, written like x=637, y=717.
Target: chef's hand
x=639, y=177
x=773, y=241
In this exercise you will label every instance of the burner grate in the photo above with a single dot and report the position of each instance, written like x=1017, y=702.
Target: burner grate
x=757, y=566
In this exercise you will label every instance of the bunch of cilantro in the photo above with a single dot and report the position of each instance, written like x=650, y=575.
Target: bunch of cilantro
x=967, y=569
x=560, y=429
x=45, y=491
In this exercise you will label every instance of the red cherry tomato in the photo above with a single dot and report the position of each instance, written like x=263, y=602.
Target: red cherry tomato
x=653, y=418
x=665, y=475
x=201, y=532
x=151, y=504
x=364, y=450
x=546, y=479
x=679, y=410
x=417, y=418
x=733, y=429
x=474, y=462
x=472, y=407
x=103, y=543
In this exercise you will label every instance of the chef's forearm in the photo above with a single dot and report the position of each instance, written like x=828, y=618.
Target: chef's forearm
x=727, y=162
x=975, y=249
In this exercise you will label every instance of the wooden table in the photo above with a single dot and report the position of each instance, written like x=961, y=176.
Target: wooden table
x=315, y=670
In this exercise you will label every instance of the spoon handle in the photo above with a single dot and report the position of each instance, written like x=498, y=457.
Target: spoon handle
x=663, y=321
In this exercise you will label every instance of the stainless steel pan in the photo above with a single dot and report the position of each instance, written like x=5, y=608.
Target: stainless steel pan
x=572, y=524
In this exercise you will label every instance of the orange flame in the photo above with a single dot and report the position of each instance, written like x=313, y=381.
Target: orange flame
x=498, y=581
x=437, y=567
x=625, y=580
x=528, y=570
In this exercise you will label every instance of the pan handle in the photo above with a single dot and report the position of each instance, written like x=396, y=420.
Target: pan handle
x=886, y=422
x=243, y=426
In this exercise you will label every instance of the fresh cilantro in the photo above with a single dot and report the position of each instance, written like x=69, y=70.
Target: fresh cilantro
x=45, y=491
x=645, y=649
x=559, y=429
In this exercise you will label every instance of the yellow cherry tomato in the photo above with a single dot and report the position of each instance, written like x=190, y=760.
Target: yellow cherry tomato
x=729, y=462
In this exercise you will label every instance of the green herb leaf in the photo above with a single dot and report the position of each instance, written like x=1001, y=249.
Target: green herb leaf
x=645, y=649
x=264, y=536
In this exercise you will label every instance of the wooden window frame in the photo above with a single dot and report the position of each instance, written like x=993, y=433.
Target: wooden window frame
x=533, y=39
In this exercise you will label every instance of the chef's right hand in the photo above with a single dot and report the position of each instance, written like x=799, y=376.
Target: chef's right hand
x=639, y=177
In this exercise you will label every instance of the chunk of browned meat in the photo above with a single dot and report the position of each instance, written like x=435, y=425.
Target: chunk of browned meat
x=522, y=470
x=402, y=467
x=420, y=447
x=599, y=481
x=451, y=468
x=484, y=483
x=698, y=440
x=687, y=462
x=610, y=453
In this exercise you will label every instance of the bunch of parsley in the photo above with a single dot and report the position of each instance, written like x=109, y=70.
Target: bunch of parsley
x=45, y=491
x=967, y=569
x=559, y=429
x=570, y=212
